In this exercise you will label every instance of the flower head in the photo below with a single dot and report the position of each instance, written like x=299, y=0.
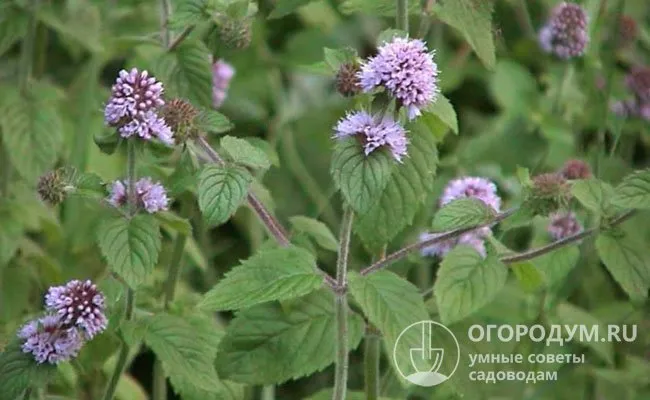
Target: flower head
x=49, y=341
x=407, y=70
x=470, y=186
x=548, y=193
x=638, y=81
x=222, y=73
x=133, y=107
x=576, y=169
x=563, y=224
x=78, y=304
x=374, y=132
x=150, y=196
x=565, y=33
x=347, y=80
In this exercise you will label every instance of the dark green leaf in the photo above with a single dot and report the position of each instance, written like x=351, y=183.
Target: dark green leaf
x=634, y=191
x=212, y=121
x=627, y=260
x=245, y=153
x=187, y=73
x=221, y=191
x=317, y=230
x=462, y=213
x=19, y=371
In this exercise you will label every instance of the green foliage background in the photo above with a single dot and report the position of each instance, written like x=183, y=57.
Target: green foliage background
x=247, y=313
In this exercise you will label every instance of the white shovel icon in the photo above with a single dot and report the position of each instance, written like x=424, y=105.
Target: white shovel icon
x=426, y=355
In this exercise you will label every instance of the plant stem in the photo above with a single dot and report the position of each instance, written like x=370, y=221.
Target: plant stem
x=180, y=38
x=165, y=13
x=124, y=349
x=341, y=307
x=273, y=226
x=159, y=382
x=524, y=18
x=425, y=19
x=402, y=18
x=268, y=392
x=131, y=178
x=371, y=362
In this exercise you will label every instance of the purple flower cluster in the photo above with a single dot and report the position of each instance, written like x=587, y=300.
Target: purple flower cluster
x=467, y=187
x=133, y=107
x=76, y=313
x=565, y=33
x=374, y=132
x=406, y=70
x=638, y=83
x=150, y=196
x=563, y=224
x=222, y=73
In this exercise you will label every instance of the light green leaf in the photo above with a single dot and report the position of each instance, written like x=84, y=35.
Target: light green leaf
x=317, y=230
x=527, y=275
x=32, y=130
x=185, y=348
x=592, y=193
x=245, y=153
x=19, y=371
x=337, y=57
x=628, y=262
x=269, y=344
x=466, y=282
x=186, y=72
x=556, y=265
x=462, y=213
x=474, y=20
x=634, y=191
x=188, y=13
x=221, y=191
x=405, y=193
x=130, y=246
x=172, y=221
x=443, y=109
x=513, y=87
x=392, y=304
x=212, y=121
x=286, y=7
x=385, y=8
x=360, y=178
x=271, y=274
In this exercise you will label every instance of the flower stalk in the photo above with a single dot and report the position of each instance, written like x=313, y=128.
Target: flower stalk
x=402, y=18
x=371, y=362
x=123, y=356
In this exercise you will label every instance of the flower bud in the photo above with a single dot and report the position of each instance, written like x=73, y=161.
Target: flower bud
x=548, y=193
x=576, y=169
x=236, y=34
x=179, y=115
x=627, y=31
x=347, y=81
x=53, y=186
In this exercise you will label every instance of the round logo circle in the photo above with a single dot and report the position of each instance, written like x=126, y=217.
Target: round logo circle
x=426, y=353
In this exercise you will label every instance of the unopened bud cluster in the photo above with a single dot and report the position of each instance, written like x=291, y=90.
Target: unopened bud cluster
x=548, y=193
x=53, y=186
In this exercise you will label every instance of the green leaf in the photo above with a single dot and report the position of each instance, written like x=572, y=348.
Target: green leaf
x=212, y=121
x=13, y=26
x=407, y=189
x=286, y=7
x=592, y=193
x=317, y=230
x=556, y=265
x=221, y=191
x=570, y=315
x=186, y=72
x=627, y=260
x=634, y=191
x=474, y=20
x=185, y=348
x=188, y=13
x=271, y=274
x=513, y=87
x=245, y=153
x=443, y=109
x=527, y=275
x=335, y=58
x=462, y=213
x=385, y=8
x=19, y=371
x=32, y=131
x=392, y=304
x=269, y=344
x=11, y=231
x=466, y=282
x=360, y=178
x=130, y=246
x=170, y=220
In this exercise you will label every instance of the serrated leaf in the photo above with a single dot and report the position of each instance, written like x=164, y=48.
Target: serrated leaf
x=317, y=230
x=271, y=274
x=360, y=178
x=184, y=349
x=286, y=7
x=529, y=278
x=592, y=193
x=130, y=246
x=444, y=111
x=245, y=153
x=556, y=265
x=408, y=187
x=19, y=371
x=335, y=58
x=269, y=344
x=221, y=191
x=462, y=213
x=32, y=130
x=628, y=262
x=170, y=220
x=187, y=72
x=392, y=304
x=187, y=13
x=474, y=20
x=212, y=121
x=634, y=191
x=466, y=282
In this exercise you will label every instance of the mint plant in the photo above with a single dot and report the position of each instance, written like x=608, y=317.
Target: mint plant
x=273, y=184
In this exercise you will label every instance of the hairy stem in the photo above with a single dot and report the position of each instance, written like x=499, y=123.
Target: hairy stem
x=165, y=13
x=402, y=19
x=425, y=19
x=123, y=356
x=159, y=382
x=273, y=226
x=180, y=38
x=371, y=362
x=341, y=307
x=131, y=178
